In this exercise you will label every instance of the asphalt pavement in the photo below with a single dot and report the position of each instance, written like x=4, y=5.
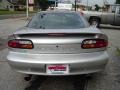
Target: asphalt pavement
x=106, y=80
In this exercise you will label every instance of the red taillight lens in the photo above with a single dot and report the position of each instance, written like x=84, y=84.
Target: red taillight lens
x=19, y=43
x=94, y=43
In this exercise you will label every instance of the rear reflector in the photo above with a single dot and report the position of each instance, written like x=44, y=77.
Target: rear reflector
x=94, y=43
x=20, y=43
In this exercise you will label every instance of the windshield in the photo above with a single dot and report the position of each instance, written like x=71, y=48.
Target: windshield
x=57, y=21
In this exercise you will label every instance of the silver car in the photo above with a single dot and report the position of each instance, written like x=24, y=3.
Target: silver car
x=58, y=43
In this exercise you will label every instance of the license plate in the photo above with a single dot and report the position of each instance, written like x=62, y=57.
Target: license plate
x=57, y=69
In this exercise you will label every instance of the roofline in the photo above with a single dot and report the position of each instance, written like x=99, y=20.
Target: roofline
x=113, y=4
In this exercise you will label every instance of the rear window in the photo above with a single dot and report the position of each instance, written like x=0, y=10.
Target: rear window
x=57, y=21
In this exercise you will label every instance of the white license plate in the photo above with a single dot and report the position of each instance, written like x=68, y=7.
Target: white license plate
x=57, y=69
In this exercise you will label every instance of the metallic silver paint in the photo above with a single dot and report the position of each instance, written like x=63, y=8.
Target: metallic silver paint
x=79, y=63
x=58, y=50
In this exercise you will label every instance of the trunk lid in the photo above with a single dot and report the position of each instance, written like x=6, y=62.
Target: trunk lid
x=58, y=41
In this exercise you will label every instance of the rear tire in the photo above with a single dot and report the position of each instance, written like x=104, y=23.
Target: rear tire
x=95, y=22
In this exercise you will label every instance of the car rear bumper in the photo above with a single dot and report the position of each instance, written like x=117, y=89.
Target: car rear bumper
x=83, y=63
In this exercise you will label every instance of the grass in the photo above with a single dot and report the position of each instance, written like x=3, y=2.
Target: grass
x=118, y=51
x=13, y=12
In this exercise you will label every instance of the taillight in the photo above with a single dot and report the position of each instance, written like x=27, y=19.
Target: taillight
x=94, y=43
x=20, y=43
